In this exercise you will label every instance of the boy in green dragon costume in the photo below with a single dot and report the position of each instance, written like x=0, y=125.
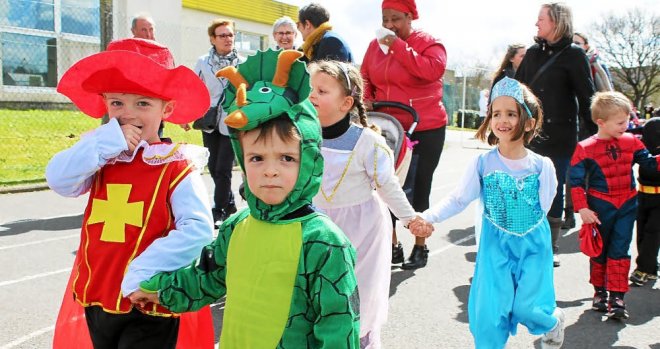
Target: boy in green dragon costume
x=287, y=270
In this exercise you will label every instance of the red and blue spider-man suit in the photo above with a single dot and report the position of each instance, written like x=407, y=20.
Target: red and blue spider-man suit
x=602, y=180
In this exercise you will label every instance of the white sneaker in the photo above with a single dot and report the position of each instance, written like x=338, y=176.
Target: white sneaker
x=555, y=337
x=555, y=261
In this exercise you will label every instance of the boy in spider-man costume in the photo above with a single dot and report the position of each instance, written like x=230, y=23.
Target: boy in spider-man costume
x=604, y=193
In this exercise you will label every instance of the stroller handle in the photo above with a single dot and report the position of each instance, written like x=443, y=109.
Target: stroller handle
x=398, y=105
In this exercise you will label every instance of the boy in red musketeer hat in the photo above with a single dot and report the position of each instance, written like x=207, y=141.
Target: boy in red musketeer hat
x=148, y=209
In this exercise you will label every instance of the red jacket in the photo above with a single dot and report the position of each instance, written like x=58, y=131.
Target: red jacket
x=411, y=73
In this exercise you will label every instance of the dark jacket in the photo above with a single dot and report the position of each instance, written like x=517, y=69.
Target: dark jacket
x=332, y=47
x=565, y=90
x=651, y=139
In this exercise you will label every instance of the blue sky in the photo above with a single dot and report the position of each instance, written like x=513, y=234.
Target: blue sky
x=473, y=31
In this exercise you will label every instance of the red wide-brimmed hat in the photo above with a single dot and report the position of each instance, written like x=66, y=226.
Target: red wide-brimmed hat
x=405, y=6
x=135, y=66
x=591, y=243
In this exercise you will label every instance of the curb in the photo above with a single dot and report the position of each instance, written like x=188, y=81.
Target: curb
x=23, y=188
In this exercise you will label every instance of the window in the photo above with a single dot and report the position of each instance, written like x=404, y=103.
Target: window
x=249, y=43
x=81, y=17
x=29, y=14
x=29, y=60
x=37, y=36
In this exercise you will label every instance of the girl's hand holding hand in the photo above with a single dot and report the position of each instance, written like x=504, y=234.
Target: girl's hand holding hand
x=588, y=216
x=420, y=228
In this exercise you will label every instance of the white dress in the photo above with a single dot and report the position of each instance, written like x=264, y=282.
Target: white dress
x=359, y=184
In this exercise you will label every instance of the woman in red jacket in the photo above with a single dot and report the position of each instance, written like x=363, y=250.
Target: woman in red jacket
x=410, y=72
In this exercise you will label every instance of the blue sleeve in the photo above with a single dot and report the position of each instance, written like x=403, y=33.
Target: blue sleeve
x=644, y=158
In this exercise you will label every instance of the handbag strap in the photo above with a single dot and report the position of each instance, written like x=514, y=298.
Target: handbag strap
x=547, y=64
x=222, y=96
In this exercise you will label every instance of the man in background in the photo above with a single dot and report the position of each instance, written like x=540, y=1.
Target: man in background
x=143, y=27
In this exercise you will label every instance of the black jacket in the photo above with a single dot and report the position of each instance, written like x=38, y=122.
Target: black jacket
x=651, y=139
x=564, y=90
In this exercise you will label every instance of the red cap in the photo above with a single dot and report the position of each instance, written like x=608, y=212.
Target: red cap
x=591, y=243
x=135, y=66
x=158, y=52
x=405, y=6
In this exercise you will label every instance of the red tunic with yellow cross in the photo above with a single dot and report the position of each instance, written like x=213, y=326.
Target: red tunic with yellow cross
x=124, y=215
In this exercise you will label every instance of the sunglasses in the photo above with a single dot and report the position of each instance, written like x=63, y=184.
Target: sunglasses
x=224, y=36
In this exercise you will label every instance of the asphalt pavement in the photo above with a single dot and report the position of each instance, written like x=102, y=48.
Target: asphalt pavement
x=39, y=233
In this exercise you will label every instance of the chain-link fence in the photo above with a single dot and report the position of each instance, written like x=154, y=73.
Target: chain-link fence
x=41, y=39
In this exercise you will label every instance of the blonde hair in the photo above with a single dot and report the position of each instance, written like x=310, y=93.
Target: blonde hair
x=350, y=79
x=562, y=16
x=537, y=114
x=606, y=104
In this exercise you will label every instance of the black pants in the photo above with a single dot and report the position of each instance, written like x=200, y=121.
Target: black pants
x=133, y=330
x=221, y=161
x=648, y=232
x=426, y=155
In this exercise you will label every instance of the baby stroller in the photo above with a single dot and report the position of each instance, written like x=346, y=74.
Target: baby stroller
x=396, y=137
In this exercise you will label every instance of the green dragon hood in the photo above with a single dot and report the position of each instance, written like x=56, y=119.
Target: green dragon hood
x=267, y=85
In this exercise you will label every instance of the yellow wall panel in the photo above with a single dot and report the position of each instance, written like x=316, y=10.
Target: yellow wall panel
x=262, y=11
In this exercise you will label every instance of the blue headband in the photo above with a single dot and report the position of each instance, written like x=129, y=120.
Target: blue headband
x=512, y=88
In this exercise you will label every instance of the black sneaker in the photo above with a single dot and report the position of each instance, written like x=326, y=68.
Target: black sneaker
x=600, y=301
x=569, y=222
x=639, y=278
x=221, y=215
x=617, y=309
x=397, y=253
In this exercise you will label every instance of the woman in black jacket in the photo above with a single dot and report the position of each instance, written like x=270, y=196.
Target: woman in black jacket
x=564, y=88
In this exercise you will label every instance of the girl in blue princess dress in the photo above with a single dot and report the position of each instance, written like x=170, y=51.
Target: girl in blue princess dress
x=513, y=277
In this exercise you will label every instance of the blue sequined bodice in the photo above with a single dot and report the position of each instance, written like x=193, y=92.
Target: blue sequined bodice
x=512, y=203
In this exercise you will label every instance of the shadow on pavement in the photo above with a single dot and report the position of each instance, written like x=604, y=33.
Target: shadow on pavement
x=398, y=276
x=48, y=224
x=595, y=330
x=462, y=292
x=460, y=237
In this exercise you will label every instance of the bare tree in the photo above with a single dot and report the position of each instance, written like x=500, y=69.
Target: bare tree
x=630, y=44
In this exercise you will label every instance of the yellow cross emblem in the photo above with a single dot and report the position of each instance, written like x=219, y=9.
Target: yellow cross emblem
x=115, y=212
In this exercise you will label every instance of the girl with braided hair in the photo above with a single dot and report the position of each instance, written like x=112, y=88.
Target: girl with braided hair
x=358, y=186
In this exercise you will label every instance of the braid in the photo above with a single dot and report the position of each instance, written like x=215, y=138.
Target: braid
x=362, y=114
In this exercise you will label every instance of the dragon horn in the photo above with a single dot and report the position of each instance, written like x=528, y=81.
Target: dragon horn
x=241, y=95
x=232, y=74
x=284, y=62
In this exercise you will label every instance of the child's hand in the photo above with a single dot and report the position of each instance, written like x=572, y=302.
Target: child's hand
x=588, y=216
x=142, y=298
x=132, y=135
x=185, y=127
x=420, y=228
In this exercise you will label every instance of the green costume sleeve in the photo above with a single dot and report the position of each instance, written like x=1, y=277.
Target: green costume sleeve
x=333, y=291
x=201, y=283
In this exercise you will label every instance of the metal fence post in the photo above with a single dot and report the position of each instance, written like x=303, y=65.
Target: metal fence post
x=105, y=18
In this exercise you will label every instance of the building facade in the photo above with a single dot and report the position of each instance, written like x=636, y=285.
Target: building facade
x=40, y=40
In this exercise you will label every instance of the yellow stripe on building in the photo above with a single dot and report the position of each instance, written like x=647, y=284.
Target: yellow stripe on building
x=261, y=11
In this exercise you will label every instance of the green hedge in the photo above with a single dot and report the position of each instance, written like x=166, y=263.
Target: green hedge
x=471, y=118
